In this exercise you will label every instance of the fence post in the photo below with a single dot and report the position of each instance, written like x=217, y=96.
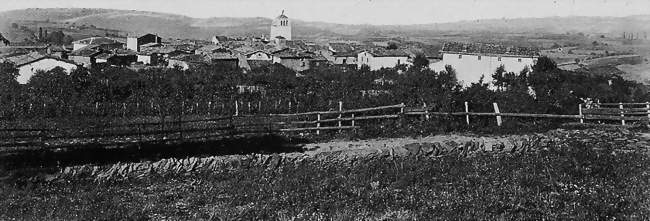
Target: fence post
x=401, y=110
x=318, y=124
x=647, y=107
x=467, y=113
x=236, y=108
x=259, y=107
x=497, y=112
x=249, y=107
x=426, y=110
x=582, y=117
x=289, y=111
x=340, y=113
x=353, y=121
x=620, y=106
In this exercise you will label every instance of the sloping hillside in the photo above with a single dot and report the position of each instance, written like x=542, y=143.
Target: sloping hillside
x=178, y=26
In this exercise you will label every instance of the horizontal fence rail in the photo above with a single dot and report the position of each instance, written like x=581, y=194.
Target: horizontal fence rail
x=179, y=128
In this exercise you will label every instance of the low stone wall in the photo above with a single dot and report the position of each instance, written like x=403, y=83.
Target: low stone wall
x=468, y=147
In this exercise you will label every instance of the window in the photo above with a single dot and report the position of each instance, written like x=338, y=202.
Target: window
x=344, y=61
x=479, y=57
x=460, y=56
x=303, y=64
x=519, y=59
x=499, y=58
x=398, y=62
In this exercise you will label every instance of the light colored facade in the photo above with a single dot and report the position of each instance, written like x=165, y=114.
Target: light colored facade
x=27, y=70
x=470, y=67
x=258, y=55
x=376, y=61
x=132, y=43
x=281, y=26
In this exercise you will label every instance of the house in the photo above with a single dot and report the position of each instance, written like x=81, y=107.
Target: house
x=379, y=58
x=472, y=61
x=218, y=39
x=224, y=59
x=76, y=45
x=342, y=54
x=157, y=54
x=30, y=64
x=258, y=55
x=187, y=61
x=294, y=59
x=84, y=56
x=134, y=43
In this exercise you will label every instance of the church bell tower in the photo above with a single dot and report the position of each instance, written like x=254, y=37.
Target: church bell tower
x=281, y=27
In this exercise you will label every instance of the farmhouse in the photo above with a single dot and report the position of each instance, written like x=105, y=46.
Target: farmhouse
x=134, y=43
x=297, y=60
x=84, y=56
x=341, y=53
x=471, y=61
x=29, y=64
x=187, y=61
x=378, y=59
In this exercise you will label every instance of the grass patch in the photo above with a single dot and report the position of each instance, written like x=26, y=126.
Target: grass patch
x=572, y=181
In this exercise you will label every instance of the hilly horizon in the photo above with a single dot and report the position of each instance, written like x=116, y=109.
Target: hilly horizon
x=180, y=26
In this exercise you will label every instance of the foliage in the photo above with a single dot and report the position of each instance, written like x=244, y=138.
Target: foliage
x=545, y=89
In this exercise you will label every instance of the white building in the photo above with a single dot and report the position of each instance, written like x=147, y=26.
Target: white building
x=281, y=26
x=382, y=59
x=471, y=61
x=28, y=69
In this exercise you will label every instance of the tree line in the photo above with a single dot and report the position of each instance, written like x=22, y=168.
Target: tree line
x=542, y=88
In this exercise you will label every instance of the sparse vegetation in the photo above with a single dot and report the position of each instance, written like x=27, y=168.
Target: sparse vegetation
x=570, y=180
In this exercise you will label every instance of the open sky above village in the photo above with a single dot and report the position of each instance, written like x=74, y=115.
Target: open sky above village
x=377, y=12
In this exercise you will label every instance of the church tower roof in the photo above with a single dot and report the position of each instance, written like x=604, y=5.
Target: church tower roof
x=282, y=16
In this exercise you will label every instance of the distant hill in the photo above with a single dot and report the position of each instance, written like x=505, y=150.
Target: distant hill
x=178, y=26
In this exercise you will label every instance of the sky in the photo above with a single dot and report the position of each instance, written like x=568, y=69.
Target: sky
x=377, y=12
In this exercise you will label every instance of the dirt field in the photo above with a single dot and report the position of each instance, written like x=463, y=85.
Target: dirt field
x=561, y=174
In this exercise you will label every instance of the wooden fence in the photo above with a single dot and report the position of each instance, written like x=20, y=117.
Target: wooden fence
x=164, y=130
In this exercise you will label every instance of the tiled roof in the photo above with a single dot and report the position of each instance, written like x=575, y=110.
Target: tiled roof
x=221, y=56
x=24, y=59
x=292, y=53
x=192, y=58
x=341, y=47
x=477, y=48
x=87, y=51
x=377, y=52
x=157, y=50
x=21, y=60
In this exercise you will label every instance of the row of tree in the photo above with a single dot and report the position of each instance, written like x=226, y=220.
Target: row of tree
x=542, y=89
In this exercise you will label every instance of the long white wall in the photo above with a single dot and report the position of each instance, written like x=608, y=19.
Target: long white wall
x=469, y=68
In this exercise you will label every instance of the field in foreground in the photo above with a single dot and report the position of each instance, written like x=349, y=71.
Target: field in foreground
x=582, y=176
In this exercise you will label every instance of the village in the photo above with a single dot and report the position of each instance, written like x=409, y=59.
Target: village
x=150, y=50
